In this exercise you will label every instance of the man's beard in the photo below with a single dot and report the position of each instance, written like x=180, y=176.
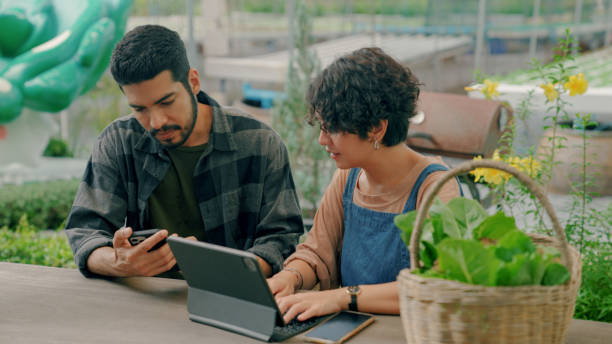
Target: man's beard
x=185, y=132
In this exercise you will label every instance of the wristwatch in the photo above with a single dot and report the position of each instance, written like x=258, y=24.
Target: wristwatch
x=353, y=291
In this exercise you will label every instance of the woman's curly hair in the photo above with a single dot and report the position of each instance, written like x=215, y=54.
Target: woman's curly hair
x=358, y=90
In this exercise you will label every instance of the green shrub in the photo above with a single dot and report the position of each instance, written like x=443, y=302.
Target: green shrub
x=594, y=300
x=46, y=204
x=57, y=147
x=26, y=244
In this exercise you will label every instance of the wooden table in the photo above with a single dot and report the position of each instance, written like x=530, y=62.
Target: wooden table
x=49, y=305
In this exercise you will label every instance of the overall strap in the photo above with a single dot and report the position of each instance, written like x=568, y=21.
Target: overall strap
x=349, y=188
x=412, y=199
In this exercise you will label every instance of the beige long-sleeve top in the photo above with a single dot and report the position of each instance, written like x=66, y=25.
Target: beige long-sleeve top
x=323, y=245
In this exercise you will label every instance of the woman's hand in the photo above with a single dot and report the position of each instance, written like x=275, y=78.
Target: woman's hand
x=310, y=304
x=282, y=284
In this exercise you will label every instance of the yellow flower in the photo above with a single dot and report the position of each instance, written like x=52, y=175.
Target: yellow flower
x=550, y=92
x=496, y=156
x=470, y=88
x=515, y=162
x=490, y=175
x=496, y=177
x=490, y=89
x=530, y=166
x=478, y=172
x=576, y=84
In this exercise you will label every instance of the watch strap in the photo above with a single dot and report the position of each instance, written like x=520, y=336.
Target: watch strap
x=353, y=304
x=353, y=291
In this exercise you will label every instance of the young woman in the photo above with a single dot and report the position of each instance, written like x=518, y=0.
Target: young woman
x=363, y=102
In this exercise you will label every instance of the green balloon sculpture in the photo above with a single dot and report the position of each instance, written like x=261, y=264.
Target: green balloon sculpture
x=52, y=51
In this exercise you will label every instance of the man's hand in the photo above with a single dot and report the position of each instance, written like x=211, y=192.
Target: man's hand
x=137, y=260
x=123, y=259
x=282, y=284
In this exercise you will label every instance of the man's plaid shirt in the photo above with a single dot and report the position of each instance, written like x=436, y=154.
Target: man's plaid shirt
x=245, y=190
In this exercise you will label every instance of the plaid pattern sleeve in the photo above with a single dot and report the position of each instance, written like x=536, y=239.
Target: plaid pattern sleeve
x=244, y=187
x=246, y=190
x=101, y=204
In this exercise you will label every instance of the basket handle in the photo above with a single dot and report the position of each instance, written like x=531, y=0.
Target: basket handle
x=465, y=167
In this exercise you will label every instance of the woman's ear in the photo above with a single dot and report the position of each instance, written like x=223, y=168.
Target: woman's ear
x=378, y=132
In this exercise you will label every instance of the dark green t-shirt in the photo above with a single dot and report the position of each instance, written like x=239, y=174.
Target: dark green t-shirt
x=173, y=204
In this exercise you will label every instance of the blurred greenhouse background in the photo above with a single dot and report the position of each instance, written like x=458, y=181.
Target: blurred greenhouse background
x=491, y=36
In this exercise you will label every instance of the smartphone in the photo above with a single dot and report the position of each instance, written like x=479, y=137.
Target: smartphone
x=339, y=327
x=139, y=236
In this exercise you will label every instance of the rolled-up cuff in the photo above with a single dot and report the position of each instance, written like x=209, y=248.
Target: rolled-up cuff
x=81, y=256
x=270, y=254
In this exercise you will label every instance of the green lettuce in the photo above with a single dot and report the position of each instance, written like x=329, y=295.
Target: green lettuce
x=461, y=242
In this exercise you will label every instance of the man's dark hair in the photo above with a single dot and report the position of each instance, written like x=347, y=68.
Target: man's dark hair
x=358, y=90
x=146, y=51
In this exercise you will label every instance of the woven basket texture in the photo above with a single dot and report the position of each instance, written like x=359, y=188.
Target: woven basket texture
x=442, y=311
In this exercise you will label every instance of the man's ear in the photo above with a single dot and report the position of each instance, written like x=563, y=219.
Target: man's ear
x=194, y=80
x=378, y=132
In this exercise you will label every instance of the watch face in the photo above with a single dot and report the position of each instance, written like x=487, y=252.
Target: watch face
x=354, y=289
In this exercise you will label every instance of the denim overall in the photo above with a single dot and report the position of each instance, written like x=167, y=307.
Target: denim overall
x=372, y=249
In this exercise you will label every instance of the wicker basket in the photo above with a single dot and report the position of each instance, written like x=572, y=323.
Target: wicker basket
x=442, y=311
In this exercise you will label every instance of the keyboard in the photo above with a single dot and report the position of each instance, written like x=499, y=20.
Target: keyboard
x=295, y=327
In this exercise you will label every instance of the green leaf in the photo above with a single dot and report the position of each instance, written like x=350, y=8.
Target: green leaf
x=429, y=254
x=448, y=219
x=467, y=261
x=512, y=243
x=437, y=223
x=555, y=274
x=432, y=273
x=405, y=222
x=538, y=267
x=516, y=272
x=468, y=214
x=524, y=269
x=494, y=227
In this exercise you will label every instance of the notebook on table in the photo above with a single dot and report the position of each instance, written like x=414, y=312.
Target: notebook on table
x=228, y=290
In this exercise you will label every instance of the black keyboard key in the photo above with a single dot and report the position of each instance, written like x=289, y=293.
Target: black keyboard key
x=295, y=327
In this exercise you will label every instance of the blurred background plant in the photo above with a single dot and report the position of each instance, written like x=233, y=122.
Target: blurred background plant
x=32, y=218
x=45, y=204
x=310, y=163
x=57, y=147
x=27, y=244
x=587, y=228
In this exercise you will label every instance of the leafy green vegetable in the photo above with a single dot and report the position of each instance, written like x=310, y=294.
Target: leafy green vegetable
x=494, y=227
x=429, y=254
x=513, y=242
x=438, y=228
x=433, y=273
x=467, y=261
x=405, y=222
x=468, y=214
x=524, y=269
x=555, y=274
x=461, y=242
x=443, y=212
x=516, y=272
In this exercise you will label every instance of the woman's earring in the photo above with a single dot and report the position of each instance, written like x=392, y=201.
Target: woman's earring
x=376, y=145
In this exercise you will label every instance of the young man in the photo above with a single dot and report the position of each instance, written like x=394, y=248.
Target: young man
x=180, y=163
